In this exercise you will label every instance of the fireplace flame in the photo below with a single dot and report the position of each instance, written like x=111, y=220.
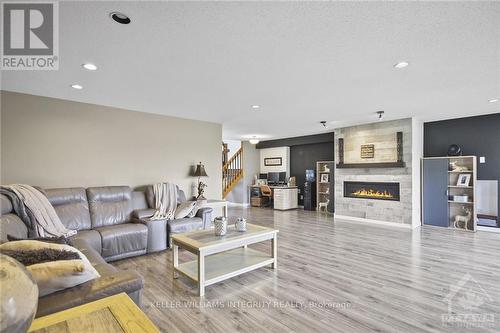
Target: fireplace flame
x=372, y=194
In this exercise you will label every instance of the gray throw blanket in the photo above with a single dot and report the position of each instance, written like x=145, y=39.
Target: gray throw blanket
x=165, y=201
x=36, y=211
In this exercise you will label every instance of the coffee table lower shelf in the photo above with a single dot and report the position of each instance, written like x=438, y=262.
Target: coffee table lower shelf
x=225, y=265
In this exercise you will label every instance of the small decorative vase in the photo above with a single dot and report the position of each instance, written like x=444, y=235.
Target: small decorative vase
x=241, y=224
x=220, y=226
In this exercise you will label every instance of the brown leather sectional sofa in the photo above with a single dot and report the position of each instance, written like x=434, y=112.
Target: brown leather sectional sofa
x=112, y=224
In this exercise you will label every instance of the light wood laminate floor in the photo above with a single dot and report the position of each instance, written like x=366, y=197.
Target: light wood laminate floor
x=334, y=276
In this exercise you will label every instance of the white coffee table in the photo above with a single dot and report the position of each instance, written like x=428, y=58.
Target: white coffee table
x=223, y=257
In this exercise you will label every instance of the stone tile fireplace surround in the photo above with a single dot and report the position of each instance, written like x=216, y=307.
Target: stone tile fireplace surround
x=383, y=136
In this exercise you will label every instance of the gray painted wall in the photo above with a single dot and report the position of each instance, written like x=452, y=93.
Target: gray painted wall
x=57, y=143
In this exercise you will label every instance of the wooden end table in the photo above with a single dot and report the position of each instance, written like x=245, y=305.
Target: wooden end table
x=114, y=314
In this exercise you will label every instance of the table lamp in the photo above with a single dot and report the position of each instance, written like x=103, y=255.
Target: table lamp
x=200, y=172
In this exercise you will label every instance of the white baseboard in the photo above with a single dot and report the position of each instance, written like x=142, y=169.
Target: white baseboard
x=236, y=204
x=360, y=219
x=488, y=229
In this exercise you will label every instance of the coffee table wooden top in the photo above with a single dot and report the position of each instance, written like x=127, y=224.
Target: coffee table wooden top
x=206, y=238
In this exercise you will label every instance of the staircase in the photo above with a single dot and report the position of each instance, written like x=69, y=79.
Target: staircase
x=232, y=172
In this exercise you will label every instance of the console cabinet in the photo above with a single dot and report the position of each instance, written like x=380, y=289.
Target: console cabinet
x=285, y=198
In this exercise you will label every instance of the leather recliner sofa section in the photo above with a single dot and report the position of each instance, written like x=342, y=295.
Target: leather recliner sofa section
x=202, y=219
x=113, y=223
x=114, y=220
x=111, y=281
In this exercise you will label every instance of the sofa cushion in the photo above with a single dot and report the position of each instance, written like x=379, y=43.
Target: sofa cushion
x=123, y=238
x=184, y=225
x=92, y=255
x=139, y=200
x=5, y=205
x=92, y=237
x=109, y=205
x=11, y=224
x=71, y=206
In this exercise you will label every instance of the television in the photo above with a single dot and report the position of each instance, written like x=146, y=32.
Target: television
x=273, y=178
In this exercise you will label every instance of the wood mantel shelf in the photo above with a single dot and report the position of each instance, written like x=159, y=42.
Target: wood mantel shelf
x=397, y=164
x=371, y=165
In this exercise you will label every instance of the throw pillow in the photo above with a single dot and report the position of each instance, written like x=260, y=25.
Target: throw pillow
x=195, y=209
x=56, y=240
x=184, y=209
x=55, y=275
x=32, y=257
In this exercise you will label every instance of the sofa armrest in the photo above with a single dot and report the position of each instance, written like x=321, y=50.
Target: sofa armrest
x=143, y=213
x=112, y=283
x=206, y=216
x=157, y=233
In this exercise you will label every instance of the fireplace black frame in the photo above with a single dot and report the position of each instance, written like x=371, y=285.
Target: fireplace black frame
x=393, y=186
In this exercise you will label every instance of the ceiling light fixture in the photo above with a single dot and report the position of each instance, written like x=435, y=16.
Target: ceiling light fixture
x=494, y=100
x=119, y=17
x=254, y=140
x=77, y=86
x=401, y=64
x=380, y=115
x=255, y=107
x=90, y=67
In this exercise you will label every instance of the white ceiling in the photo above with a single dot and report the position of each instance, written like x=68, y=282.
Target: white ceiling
x=302, y=62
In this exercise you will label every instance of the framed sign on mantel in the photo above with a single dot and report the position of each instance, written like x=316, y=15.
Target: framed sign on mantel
x=273, y=161
x=367, y=151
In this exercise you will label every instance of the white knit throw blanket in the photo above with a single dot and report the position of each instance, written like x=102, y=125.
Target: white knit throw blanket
x=165, y=201
x=47, y=223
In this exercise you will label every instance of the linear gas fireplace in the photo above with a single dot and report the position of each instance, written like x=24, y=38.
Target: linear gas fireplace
x=371, y=190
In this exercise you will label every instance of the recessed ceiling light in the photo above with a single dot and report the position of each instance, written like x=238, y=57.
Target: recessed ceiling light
x=255, y=107
x=77, y=86
x=401, y=64
x=120, y=18
x=494, y=100
x=90, y=67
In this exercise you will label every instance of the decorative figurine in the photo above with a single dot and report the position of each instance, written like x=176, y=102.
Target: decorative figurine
x=201, y=191
x=459, y=219
x=455, y=167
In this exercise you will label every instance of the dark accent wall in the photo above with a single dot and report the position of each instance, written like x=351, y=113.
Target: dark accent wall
x=304, y=157
x=298, y=140
x=305, y=151
x=479, y=136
